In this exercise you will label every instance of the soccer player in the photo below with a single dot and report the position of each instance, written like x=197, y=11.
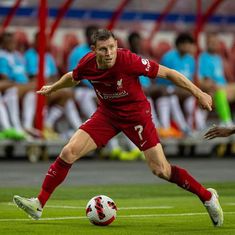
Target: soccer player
x=122, y=107
x=219, y=131
x=85, y=91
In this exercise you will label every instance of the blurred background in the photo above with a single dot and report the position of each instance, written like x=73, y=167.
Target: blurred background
x=41, y=40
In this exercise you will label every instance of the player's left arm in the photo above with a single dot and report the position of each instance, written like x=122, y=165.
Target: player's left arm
x=180, y=80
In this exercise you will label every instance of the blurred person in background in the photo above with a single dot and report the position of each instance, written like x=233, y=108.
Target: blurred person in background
x=169, y=102
x=59, y=104
x=123, y=107
x=15, y=87
x=21, y=40
x=135, y=45
x=213, y=81
x=85, y=91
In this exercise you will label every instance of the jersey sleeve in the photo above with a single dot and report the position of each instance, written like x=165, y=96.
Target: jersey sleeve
x=141, y=66
x=76, y=73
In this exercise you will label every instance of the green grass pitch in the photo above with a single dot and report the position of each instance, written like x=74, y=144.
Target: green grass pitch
x=143, y=209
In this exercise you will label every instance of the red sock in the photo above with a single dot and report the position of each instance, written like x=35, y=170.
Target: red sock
x=184, y=180
x=54, y=177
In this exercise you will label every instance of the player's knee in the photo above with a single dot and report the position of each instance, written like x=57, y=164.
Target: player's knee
x=68, y=154
x=160, y=171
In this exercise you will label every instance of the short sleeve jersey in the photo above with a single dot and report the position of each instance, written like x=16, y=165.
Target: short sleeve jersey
x=118, y=88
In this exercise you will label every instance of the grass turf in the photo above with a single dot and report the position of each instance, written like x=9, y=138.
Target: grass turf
x=144, y=209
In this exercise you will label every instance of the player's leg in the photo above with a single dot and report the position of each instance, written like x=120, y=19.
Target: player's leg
x=222, y=107
x=60, y=103
x=230, y=91
x=163, y=106
x=11, y=99
x=4, y=118
x=193, y=112
x=86, y=99
x=94, y=132
x=154, y=113
x=158, y=164
x=178, y=114
x=144, y=135
x=27, y=98
x=79, y=145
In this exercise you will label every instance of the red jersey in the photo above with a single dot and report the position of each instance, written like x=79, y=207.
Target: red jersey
x=118, y=88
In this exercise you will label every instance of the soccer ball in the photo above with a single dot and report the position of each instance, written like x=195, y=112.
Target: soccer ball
x=101, y=210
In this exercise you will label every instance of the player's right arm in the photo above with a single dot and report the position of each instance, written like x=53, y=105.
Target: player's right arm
x=65, y=81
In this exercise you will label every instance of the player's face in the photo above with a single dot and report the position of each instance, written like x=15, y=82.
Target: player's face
x=212, y=44
x=9, y=43
x=185, y=48
x=106, y=53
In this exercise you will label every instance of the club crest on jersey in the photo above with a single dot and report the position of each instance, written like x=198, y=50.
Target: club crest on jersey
x=119, y=84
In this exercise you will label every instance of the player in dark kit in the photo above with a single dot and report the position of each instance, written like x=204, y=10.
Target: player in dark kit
x=122, y=107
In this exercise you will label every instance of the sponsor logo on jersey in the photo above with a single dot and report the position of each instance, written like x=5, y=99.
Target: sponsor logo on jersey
x=146, y=62
x=106, y=96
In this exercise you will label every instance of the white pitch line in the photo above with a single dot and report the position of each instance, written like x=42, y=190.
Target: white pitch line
x=230, y=203
x=46, y=219
x=120, y=216
x=119, y=208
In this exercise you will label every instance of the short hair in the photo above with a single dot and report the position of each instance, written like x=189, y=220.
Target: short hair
x=133, y=36
x=101, y=35
x=89, y=31
x=211, y=34
x=5, y=36
x=184, y=38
